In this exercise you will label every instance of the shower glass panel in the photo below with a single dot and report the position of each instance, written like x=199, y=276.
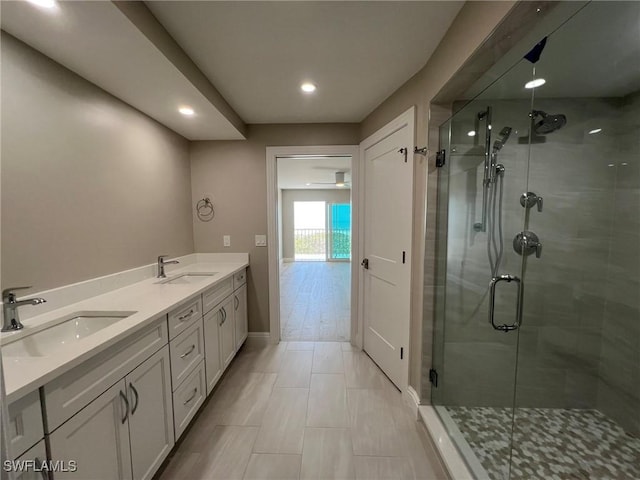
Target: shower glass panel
x=476, y=340
x=549, y=202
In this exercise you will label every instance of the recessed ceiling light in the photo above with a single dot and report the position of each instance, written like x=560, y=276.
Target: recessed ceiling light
x=308, y=87
x=536, y=82
x=307, y=184
x=43, y=3
x=472, y=133
x=595, y=130
x=187, y=111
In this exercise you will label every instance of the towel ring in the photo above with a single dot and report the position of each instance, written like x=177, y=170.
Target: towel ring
x=205, y=210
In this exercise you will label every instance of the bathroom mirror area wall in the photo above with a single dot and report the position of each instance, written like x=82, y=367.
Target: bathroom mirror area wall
x=536, y=340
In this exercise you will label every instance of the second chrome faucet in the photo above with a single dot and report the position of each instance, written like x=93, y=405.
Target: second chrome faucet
x=162, y=263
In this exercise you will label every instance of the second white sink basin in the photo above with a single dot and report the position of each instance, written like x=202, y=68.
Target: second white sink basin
x=62, y=334
x=188, y=278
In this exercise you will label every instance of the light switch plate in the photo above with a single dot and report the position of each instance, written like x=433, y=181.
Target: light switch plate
x=261, y=240
x=227, y=240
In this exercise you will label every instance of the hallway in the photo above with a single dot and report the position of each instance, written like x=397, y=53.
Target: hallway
x=315, y=301
x=304, y=410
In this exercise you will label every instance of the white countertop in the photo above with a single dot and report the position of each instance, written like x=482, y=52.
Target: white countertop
x=147, y=298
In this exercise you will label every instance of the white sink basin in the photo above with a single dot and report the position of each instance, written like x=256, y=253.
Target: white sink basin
x=61, y=334
x=188, y=278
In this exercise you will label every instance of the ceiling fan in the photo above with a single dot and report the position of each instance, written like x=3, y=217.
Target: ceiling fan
x=340, y=181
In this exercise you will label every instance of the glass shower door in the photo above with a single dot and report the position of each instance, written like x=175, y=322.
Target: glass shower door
x=478, y=305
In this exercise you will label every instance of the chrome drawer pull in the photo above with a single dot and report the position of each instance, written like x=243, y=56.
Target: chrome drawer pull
x=195, y=392
x=184, y=317
x=126, y=402
x=187, y=353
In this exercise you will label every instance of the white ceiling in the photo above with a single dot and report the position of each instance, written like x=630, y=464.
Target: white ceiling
x=255, y=54
x=258, y=53
x=98, y=42
x=296, y=172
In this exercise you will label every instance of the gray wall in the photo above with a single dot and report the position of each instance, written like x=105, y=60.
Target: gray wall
x=579, y=343
x=234, y=172
x=475, y=22
x=311, y=195
x=90, y=186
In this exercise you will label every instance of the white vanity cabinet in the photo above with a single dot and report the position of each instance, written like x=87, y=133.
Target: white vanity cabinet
x=25, y=427
x=113, y=414
x=227, y=331
x=126, y=432
x=240, y=319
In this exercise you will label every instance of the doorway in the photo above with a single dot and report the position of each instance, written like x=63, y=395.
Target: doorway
x=312, y=208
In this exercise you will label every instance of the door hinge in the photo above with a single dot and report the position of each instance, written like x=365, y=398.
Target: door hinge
x=433, y=377
x=401, y=353
x=404, y=151
x=404, y=256
x=365, y=263
x=441, y=156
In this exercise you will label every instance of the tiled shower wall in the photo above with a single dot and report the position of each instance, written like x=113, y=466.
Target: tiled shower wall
x=580, y=341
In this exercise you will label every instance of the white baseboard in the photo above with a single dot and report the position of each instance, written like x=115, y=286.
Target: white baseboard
x=258, y=339
x=412, y=399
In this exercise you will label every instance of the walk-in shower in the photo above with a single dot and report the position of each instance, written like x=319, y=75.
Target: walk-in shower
x=535, y=362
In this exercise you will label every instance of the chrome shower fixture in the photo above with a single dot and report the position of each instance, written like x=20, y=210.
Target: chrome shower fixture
x=504, y=136
x=547, y=123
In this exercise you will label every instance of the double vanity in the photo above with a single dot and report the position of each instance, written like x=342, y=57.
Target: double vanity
x=104, y=387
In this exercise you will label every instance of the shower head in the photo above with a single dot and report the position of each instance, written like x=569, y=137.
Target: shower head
x=547, y=123
x=504, y=136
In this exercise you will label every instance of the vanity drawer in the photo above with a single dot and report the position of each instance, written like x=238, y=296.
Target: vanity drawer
x=184, y=316
x=187, y=399
x=239, y=278
x=25, y=423
x=69, y=393
x=218, y=293
x=187, y=351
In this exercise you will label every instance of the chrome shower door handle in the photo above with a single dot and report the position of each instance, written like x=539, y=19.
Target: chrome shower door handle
x=492, y=300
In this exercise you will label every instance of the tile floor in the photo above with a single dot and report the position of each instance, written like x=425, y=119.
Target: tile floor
x=304, y=410
x=549, y=443
x=315, y=301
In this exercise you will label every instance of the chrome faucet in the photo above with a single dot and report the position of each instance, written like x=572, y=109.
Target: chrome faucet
x=162, y=263
x=10, y=308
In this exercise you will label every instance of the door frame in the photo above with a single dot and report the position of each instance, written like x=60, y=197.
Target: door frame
x=408, y=119
x=273, y=230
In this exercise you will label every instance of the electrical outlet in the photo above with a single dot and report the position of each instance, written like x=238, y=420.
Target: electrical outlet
x=261, y=240
x=227, y=240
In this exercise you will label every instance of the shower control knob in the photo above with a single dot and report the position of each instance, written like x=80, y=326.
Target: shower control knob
x=530, y=200
x=527, y=243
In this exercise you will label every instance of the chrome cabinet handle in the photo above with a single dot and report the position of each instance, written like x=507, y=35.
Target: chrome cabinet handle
x=187, y=315
x=135, y=393
x=195, y=392
x=188, y=352
x=492, y=299
x=126, y=402
x=236, y=302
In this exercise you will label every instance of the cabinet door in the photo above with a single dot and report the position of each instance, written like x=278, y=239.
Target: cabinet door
x=240, y=315
x=96, y=438
x=32, y=468
x=151, y=414
x=227, y=332
x=212, y=360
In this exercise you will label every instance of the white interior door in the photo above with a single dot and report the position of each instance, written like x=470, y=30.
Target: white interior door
x=388, y=171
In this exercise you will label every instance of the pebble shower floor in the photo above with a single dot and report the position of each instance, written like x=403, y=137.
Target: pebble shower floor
x=549, y=443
